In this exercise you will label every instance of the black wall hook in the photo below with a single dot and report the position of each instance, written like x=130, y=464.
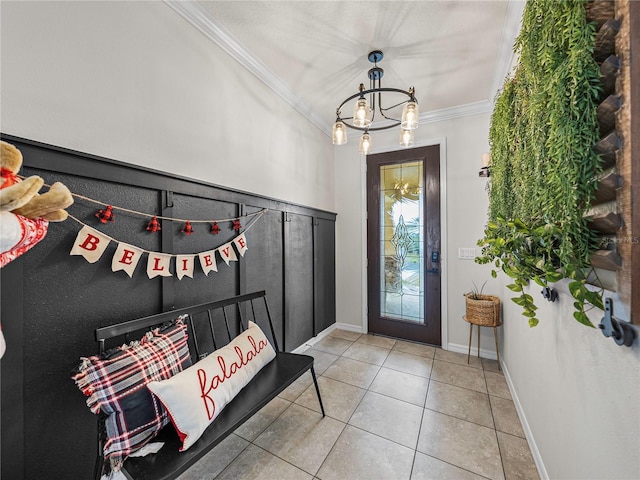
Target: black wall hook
x=621, y=331
x=550, y=294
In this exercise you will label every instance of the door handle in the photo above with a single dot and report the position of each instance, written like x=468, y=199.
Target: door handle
x=433, y=270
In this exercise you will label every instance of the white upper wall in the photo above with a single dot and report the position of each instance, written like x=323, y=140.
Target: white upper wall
x=133, y=81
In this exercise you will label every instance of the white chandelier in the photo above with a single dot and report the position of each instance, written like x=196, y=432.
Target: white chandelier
x=364, y=111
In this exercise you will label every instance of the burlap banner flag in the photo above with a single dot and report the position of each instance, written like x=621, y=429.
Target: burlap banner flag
x=241, y=244
x=227, y=253
x=126, y=258
x=158, y=264
x=208, y=261
x=91, y=244
x=184, y=266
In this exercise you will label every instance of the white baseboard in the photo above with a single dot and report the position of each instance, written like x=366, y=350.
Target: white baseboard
x=336, y=326
x=535, y=452
x=484, y=353
x=313, y=340
x=349, y=327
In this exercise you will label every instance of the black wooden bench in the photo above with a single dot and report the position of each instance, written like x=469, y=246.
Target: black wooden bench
x=222, y=326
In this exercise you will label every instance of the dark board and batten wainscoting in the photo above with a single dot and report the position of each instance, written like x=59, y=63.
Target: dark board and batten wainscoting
x=52, y=302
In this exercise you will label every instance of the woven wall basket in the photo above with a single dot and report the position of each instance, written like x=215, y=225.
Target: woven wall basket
x=484, y=311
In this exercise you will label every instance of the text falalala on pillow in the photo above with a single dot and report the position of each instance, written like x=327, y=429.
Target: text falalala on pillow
x=207, y=386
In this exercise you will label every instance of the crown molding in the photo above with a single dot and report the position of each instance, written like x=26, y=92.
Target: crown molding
x=467, y=110
x=197, y=16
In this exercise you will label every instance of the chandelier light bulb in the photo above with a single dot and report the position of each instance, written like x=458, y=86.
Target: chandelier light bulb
x=339, y=133
x=410, y=116
x=362, y=113
x=406, y=138
x=365, y=144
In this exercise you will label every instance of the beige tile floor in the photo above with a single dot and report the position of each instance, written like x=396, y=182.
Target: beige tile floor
x=395, y=410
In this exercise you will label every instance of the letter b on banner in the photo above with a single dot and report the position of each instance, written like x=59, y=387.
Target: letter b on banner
x=90, y=243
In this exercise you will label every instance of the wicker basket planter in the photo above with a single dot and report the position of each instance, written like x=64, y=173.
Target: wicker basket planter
x=484, y=310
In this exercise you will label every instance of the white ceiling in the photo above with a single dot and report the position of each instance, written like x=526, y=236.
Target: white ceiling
x=314, y=53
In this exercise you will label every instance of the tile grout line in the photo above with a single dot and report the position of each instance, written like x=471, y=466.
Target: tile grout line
x=426, y=396
x=252, y=442
x=234, y=458
x=354, y=410
x=495, y=430
x=424, y=405
x=430, y=378
x=367, y=389
x=286, y=461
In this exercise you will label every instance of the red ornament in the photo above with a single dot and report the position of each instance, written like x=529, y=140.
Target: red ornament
x=154, y=225
x=215, y=228
x=187, y=228
x=106, y=215
x=236, y=225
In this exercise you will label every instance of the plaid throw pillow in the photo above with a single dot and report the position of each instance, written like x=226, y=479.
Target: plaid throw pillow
x=115, y=383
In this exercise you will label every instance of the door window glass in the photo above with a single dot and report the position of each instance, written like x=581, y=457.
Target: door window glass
x=402, y=241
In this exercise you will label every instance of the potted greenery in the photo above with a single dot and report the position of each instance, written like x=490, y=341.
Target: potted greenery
x=482, y=309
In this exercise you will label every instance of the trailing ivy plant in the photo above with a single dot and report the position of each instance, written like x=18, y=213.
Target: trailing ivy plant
x=543, y=166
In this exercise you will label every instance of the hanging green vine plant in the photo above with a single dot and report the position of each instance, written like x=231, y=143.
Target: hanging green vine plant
x=543, y=165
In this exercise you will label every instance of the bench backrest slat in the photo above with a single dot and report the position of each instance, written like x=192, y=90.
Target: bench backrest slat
x=226, y=322
x=213, y=337
x=198, y=344
x=273, y=333
x=194, y=336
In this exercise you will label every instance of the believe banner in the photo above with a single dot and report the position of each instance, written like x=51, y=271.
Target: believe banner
x=91, y=244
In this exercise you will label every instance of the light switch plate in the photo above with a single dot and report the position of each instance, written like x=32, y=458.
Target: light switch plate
x=467, y=253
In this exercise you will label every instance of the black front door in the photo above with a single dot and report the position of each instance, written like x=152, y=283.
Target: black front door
x=403, y=244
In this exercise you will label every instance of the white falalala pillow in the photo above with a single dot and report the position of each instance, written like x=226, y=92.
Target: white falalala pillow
x=197, y=395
